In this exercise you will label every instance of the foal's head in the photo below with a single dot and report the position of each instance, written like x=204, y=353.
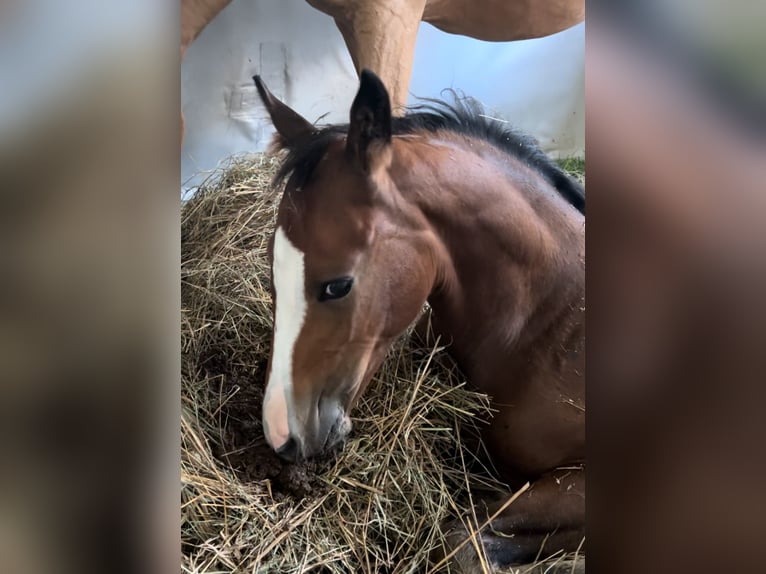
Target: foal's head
x=347, y=279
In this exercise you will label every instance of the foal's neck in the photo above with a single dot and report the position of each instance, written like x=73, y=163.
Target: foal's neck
x=512, y=250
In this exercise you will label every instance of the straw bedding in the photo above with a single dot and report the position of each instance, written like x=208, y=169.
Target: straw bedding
x=376, y=505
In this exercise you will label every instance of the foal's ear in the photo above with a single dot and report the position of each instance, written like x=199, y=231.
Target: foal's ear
x=369, y=130
x=290, y=125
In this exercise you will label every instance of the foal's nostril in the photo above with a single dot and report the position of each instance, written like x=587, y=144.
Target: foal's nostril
x=290, y=450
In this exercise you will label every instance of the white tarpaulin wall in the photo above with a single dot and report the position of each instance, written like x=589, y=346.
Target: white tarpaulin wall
x=536, y=85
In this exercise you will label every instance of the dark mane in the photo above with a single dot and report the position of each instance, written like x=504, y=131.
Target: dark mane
x=465, y=117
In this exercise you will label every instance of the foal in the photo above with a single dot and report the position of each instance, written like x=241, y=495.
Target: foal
x=443, y=206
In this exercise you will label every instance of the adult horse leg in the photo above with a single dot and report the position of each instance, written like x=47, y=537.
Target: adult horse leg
x=547, y=518
x=379, y=36
x=195, y=15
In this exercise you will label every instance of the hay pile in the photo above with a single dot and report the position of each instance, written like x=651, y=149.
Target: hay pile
x=375, y=507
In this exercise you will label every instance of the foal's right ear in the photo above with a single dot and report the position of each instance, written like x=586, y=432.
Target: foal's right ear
x=291, y=126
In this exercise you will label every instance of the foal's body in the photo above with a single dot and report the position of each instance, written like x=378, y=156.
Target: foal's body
x=476, y=222
x=516, y=327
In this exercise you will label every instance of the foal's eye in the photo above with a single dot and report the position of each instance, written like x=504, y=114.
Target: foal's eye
x=336, y=288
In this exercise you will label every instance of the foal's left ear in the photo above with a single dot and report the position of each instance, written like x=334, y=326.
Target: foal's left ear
x=290, y=125
x=369, y=131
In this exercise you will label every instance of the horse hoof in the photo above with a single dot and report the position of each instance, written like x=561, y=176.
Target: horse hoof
x=500, y=554
x=464, y=560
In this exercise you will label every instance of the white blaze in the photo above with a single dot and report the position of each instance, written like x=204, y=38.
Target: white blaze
x=289, y=290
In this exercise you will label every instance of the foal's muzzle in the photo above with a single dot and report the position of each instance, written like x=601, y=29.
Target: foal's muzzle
x=328, y=428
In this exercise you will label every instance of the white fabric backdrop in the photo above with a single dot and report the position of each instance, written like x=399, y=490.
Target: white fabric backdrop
x=537, y=85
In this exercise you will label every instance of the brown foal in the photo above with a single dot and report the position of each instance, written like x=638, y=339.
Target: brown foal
x=445, y=206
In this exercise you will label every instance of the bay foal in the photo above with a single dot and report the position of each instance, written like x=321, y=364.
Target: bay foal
x=445, y=206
